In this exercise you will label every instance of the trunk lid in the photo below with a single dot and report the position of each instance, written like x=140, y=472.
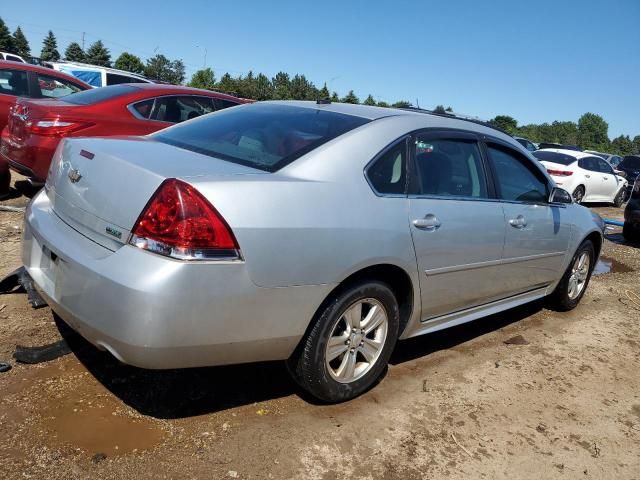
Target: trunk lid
x=26, y=111
x=99, y=186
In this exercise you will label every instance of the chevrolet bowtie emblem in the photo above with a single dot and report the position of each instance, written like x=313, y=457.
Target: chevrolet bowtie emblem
x=74, y=175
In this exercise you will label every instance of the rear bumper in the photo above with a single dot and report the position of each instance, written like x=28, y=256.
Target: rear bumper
x=154, y=312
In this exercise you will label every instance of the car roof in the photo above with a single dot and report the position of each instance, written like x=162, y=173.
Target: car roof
x=4, y=64
x=423, y=118
x=164, y=89
x=572, y=153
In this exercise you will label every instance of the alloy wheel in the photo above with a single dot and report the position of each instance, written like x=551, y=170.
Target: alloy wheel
x=357, y=340
x=579, y=275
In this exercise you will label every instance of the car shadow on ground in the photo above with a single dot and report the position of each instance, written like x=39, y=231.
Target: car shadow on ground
x=171, y=394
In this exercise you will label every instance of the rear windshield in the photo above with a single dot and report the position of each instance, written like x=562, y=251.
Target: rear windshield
x=95, y=95
x=264, y=136
x=554, y=157
x=631, y=162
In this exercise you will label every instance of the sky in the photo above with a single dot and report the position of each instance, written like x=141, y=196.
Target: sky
x=536, y=61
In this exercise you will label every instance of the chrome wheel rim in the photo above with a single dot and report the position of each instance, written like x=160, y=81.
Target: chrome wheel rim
x=579, y=274
x=356, y=341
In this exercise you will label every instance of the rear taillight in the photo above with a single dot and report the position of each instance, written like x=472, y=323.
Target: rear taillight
x=179, y=222
x=56, y=127
x=559, y=173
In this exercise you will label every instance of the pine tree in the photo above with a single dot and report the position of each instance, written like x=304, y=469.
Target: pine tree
x=6, y=40
x=74, y=53
x=351, y=98
x=281, y=86
x=324, y=94
x=21, y=44
x=131, y=63
x=335, y=98
x=98, y=54
x=50, y=48
x=369, y=101
x=204, y=78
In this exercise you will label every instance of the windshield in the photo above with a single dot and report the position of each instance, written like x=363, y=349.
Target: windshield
x=95, y=95
x=264, y=136
x=554, y=157
x=631, y=162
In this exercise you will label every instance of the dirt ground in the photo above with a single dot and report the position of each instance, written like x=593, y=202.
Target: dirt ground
x=462, y=403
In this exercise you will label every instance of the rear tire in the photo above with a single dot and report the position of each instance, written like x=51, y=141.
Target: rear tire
x=351, y=339
x=5, y=181
x=618, y=201
x=578, y=194
x=575, y=280
x=630, y=232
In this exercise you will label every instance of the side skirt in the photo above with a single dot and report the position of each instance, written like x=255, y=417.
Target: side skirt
x=463, y=316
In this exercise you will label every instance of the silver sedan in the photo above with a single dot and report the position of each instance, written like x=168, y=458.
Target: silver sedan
x=315, y=233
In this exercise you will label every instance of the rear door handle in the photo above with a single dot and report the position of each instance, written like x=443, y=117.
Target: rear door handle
x=430, y=222
x=518, y=222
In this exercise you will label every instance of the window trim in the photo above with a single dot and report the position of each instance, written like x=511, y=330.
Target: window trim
x=452, y=133
x=404, y=138
x=135, y=113
x=531, y=166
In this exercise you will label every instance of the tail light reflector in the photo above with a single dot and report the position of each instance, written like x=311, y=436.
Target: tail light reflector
x=179, y=222
x=559, y=173
x=56, y=127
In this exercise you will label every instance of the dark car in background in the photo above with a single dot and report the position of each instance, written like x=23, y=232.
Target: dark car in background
x=560, y=146
x=526, y=143
x=630, y=166
x=631, y=229
x=610, y=158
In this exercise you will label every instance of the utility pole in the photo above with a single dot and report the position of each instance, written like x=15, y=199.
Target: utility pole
x=83, y=41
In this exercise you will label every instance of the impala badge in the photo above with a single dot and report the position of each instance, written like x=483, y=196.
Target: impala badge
x=74, y=175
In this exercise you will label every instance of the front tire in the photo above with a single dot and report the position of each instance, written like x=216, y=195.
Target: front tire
x=618, y=201
x=578, y=194
x=575, y=280
x=347, y=349
x=630, y=232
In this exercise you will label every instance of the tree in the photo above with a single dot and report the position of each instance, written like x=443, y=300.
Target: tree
x=98, y=54
x=281, y=86
x=350, y=98
x=448, y=110
x=21, y=44
x=227, y=84
x=6, y=40
x=50, y=48
x=74, y=53
x=369, y=101
x=439, y=109
x=506, y=123
x=323, y=93
x=402, y=104
x=593, y=132
x=203, y=79
x=263, y=88
x=161, y=68
x=636, y=144
x=302, y=89
x=247, y=85
x=622, y=145
x=129, y=62
x=335, y=98
x=383, y=104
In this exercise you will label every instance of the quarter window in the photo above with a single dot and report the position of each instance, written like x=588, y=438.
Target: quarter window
x=222, y=104
x=51, y=87
x=14, y=82
x=176, y=109
x=449, y=167
x=388, y=174
x=515, y=178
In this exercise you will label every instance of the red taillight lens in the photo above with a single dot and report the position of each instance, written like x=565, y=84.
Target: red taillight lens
x=179, y=222
x=56, y=127
x=559, y=173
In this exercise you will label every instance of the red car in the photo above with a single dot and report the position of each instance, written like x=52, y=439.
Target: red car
x=36, y=126
x=22, y=80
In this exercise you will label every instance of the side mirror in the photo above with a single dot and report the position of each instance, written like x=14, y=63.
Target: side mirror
x=620, y=173
x=560, y=195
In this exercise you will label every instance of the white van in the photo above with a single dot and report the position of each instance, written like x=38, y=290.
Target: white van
x=11, y=57
x=97, y=76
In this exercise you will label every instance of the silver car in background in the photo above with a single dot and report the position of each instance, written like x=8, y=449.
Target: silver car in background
x=314, y=233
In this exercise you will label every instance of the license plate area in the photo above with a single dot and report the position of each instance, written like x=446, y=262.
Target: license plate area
x=49, y=264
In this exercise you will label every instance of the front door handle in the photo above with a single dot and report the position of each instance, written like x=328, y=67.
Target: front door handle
x=588, y=176
x=606, y=178
x=430, y=222
x=518, y=222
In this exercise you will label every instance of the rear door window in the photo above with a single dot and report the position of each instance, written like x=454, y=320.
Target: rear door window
x=14, y=82
x=448, y=167
x=178, y=108
x=604, y=166
x=516, y=177
x=262, y=135
x=52, y=87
